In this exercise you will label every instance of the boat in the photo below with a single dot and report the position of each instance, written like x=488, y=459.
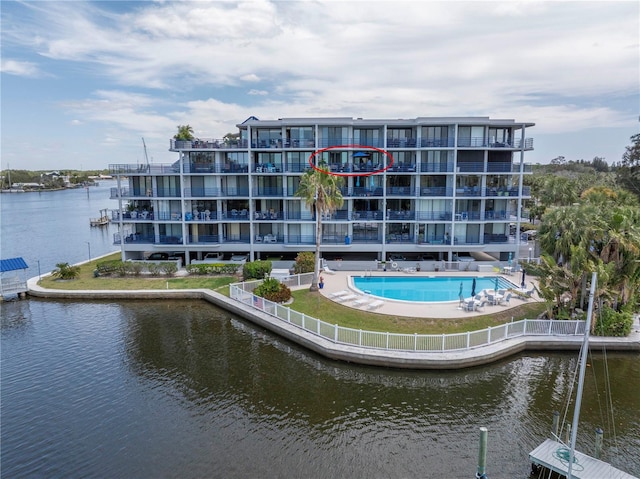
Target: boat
x=102, y=221
x=562, y=459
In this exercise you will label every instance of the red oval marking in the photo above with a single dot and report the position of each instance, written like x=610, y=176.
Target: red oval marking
x=355, y=147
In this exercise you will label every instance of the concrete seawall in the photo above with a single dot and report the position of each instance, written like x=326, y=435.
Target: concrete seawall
x=354, y=354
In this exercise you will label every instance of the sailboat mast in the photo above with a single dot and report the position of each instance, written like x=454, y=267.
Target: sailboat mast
x=584, y=351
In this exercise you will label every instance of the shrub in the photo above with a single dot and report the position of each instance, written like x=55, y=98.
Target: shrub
x=108, y=267
x=169, y=268
x=305, y=262
x=273, y=290
x=256, y=270
x=136, y=268
x=123, y=269
x=66, y=271
x=212, y=268
x=610, y=322
x=154, y=269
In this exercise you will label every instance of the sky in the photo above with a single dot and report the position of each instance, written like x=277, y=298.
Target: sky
x=82, y=83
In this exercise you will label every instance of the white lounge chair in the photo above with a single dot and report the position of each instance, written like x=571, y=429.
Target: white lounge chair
x=347, y=297
x=376, y=304
x=336, y=294
x=327, y=270
x=361, y=301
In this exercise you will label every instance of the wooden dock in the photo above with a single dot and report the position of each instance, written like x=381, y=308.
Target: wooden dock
x=553, y=455
x=102, y=221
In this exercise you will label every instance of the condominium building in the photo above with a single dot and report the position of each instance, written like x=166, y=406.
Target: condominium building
x=423, y=188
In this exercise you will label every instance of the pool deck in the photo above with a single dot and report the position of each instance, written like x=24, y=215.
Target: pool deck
x=340, y=281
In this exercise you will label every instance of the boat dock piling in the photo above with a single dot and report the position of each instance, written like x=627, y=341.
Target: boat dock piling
x=481, y=473
x=599, y=438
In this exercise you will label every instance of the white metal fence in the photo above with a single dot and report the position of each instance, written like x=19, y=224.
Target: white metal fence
x=243, y=292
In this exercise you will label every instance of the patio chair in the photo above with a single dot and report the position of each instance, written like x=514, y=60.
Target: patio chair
x=470, y=304
x=478, y=306
x=529, y=292
x=258, y=239
x=327, y=270
x=506, y=299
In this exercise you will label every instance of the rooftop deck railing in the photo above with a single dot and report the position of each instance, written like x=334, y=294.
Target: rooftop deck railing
x=428, y=343
x=324, y=142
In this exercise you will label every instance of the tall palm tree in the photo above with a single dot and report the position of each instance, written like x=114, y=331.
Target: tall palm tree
x=321, y=192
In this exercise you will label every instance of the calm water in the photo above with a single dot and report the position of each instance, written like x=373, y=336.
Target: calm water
x=183, y=389
x=424, y=289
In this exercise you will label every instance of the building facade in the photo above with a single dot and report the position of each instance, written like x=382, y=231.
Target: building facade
x=420, y=189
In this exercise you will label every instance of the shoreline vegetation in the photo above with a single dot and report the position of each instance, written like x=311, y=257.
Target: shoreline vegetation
x=304, y=301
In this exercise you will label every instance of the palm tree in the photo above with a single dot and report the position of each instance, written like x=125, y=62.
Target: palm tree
x=185, y=133
x=321, y=192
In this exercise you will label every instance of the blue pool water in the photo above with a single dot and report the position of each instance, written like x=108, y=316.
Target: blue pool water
x=426, y=289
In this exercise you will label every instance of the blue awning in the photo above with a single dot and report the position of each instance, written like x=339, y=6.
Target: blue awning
x=12, y=264
x=361, y=154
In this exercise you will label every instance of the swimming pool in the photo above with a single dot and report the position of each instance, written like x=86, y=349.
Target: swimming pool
x=425, y=288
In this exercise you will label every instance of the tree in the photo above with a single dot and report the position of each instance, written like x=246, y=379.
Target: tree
x=66, y=271
x=629, y=171
x=185, y=133
x=599, y=233
x=320, y=190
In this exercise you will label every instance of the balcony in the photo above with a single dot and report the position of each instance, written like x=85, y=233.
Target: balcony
x=206, y=144
x=372, y=215
x=400, y=191
x=270, y=215
x=437, y=216
x=350, y=141
x=403, y=238
x=267, y=191
x=139, y=170
x=401, y=142
x=403, y=168
x=436, y=142
x=203, y=239
x=436, y=191
x=438, y=167
x=481, y=142
x=202, y=192
x=401, y=215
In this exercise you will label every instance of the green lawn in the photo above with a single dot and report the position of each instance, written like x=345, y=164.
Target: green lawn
x=320, y=307
x=313, y=304
x=87, y=281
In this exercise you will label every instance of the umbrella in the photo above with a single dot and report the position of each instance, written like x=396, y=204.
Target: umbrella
x=495, y=287
x=523, y=283
x=510, y=257
x=360, y=154
x=473, y=287
x=358, y=181
x=460, y=292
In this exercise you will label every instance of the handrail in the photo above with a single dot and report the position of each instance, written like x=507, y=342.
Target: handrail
x=242, y=292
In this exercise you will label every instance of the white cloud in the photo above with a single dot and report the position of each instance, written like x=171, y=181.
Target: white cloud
x=564, y=65
x=18, y=68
